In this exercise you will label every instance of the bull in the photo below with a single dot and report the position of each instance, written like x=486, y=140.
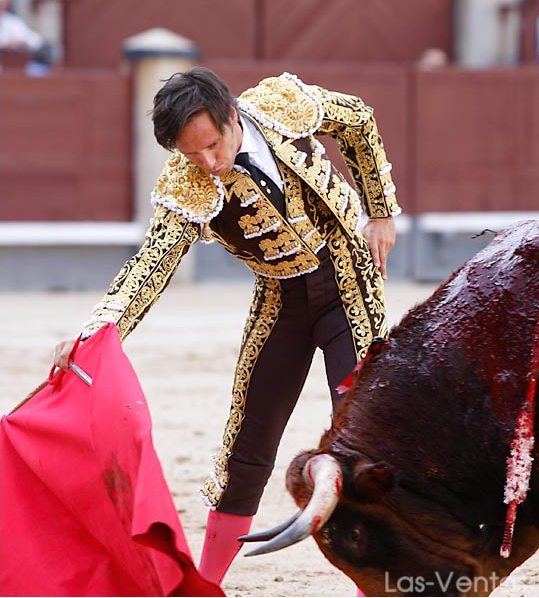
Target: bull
x=405, y=492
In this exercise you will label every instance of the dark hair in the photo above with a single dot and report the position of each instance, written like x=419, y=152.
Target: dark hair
x=186, y=94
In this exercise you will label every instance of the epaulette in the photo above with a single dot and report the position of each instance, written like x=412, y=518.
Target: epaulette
x=284, y=104
x=186, y=189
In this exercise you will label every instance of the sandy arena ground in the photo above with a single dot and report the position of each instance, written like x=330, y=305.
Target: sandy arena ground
x=184, y=353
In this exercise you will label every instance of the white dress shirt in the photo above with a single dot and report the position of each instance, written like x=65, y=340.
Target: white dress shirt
x=260, y=155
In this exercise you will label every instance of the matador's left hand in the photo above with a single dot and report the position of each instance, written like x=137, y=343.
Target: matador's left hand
x=380, y=234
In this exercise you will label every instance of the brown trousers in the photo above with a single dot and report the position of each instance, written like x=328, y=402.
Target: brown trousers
x=292, y=317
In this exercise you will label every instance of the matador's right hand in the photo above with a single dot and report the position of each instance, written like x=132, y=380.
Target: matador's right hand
x=62, y=352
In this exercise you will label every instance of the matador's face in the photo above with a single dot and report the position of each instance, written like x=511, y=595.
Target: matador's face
x=210, y=149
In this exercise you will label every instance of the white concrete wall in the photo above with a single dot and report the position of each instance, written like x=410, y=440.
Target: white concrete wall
x=154, y=55
x=48, y=21
x=486, y=36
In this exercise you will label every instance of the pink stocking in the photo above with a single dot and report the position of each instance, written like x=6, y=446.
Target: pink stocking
x=220, y=544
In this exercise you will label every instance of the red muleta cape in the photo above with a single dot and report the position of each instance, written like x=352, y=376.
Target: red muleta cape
x=85, y=509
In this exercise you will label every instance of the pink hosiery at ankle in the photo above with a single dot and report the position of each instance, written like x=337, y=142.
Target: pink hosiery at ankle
x=221, y=544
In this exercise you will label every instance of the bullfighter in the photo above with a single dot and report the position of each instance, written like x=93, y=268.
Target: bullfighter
x=251, y=174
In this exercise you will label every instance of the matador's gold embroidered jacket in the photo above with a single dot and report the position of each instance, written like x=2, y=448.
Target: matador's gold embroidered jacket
x=191, y=205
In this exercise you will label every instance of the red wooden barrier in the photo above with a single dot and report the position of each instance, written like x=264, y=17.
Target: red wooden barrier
x=460, y=140
x=476, y=140
x=65, y=147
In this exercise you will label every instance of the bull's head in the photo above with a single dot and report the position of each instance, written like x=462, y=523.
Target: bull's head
x=354, y=514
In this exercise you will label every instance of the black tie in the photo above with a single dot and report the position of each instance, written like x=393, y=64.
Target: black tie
x=265, y=183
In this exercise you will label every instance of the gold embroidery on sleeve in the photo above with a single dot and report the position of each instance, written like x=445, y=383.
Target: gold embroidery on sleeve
x=352, y=124
x=144, y=277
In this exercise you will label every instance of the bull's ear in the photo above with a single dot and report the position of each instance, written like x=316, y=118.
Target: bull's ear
x=372, y=480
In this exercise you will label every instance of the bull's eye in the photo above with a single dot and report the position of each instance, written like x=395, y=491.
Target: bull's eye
x=348, y=537
x=353, y=542
x=355, y=534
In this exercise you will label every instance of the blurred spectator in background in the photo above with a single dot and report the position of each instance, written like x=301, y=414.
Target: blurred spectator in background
x=20, y=44
x=433, y=58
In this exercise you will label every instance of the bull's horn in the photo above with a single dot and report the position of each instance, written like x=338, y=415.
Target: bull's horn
x=270, y=533
x=325, y=475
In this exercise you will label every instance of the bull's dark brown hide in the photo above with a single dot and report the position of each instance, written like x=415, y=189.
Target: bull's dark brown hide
x=423, y=435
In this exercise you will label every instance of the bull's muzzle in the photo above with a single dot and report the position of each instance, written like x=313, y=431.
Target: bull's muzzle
x=323, y=473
